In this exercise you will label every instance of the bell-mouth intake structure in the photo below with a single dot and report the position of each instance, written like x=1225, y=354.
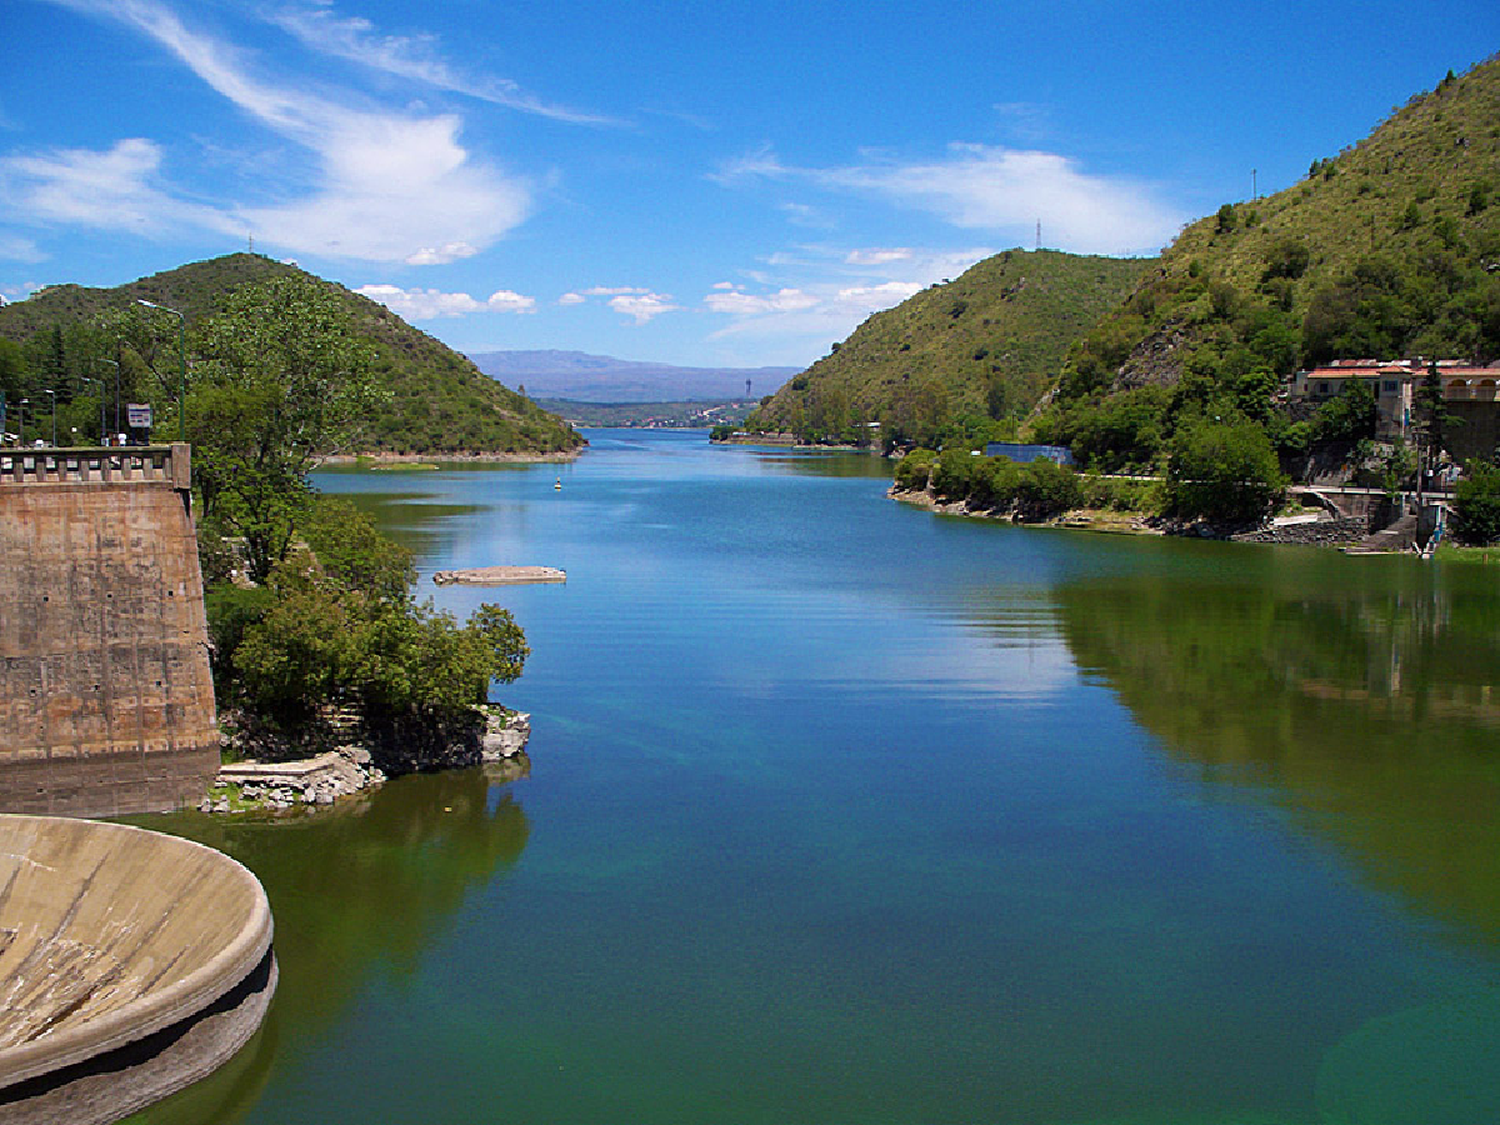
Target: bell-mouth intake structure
x=131, y=964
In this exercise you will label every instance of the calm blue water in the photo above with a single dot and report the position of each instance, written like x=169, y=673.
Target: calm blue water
x=842, y=812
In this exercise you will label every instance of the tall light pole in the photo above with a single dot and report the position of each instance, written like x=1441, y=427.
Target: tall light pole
x=116, y=365
x=100, y=384
x=21, y=422
x=182, y=363
x=54, y=416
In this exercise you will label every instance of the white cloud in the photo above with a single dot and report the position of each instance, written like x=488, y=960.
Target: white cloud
x=618, y=291
x=572, y=299
x=984, y=187
x=414, y=57
x=14, y=248
x=816, y=294
x=643, y=307
x=878, y=257
x=112, y=190
x=388, y=186
x=736, y=303
x=504, y=300
x=441, y=255
x=430, y=304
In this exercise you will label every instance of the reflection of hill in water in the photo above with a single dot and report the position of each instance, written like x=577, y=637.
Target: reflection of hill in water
x=353, y=891
x=1361, y=696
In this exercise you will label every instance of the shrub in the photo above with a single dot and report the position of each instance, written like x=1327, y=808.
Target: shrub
x=994, y=483
x=913, y=470
x=1047, y=489
x=1224, y=471
x=1477, y=504
x=952, y=474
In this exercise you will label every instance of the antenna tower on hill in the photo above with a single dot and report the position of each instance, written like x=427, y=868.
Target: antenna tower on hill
x=1039, y=234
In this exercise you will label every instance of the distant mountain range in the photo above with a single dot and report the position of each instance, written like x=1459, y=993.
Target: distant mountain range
x=580, y=377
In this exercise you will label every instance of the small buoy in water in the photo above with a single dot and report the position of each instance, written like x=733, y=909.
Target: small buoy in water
x=558, y=485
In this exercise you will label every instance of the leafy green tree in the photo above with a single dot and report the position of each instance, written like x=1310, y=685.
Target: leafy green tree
x=284, y=380
x=1352, y=416
x=913, y=470
x=1224, y=471
x=952, y=474
x=1047, y=489
x=1477, y=504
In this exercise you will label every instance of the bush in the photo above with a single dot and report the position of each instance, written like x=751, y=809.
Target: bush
x=913, y=470
x=952, y=474
x=995, y=482
x=1477, y=504
x=1047, y=489
x=1224, y=471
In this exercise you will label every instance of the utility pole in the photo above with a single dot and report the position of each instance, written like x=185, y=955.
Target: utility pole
x=1254, y=193
x=1039, y=234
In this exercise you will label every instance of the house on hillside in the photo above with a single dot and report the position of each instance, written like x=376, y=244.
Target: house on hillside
x=1468, y=391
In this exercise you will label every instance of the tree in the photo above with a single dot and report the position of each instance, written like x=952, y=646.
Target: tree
x=283, y=381
x=1431, y=419
x=1477, y=504
x=1353, y=415
x=1224, y=471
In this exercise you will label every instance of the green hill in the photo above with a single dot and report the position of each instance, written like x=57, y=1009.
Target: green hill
x=983, y=347
x=439, y=402
x=1389, y=249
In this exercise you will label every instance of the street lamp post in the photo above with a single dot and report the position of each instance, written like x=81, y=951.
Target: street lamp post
x=53, y=395
x=21, y=422
x=182, y=363
x=116, y=365
x=100, y=384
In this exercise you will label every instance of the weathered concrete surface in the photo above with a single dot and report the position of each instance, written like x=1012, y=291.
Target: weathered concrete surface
x=106, y=702
x=131, y=964
x=499, y=576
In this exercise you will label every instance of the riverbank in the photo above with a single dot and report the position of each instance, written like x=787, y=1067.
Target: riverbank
x=1078, y=519
x=284, y=785
x=386, y=458
x=1297, y=530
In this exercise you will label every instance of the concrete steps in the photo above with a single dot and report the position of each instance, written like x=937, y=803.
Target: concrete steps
x=1400, y=536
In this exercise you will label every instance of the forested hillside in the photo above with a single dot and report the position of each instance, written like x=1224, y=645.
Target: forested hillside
x=69, y=339
x=977, y=350
x=1388, y=249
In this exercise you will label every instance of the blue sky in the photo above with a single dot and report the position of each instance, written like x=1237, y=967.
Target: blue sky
x=705, y=184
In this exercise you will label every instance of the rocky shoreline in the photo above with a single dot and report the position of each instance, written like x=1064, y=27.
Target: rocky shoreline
x=327, y=778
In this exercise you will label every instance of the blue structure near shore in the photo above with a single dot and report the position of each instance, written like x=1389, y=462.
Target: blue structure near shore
x=1024, y=453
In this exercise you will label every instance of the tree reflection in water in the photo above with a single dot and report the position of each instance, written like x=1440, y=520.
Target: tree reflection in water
x=359, y=889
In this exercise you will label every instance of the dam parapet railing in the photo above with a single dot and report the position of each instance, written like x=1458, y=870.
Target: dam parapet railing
x=127, y=464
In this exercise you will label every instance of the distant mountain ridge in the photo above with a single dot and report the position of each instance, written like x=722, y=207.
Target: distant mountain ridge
x=581, y=377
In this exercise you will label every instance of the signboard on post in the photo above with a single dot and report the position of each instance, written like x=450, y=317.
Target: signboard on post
x=138, y=415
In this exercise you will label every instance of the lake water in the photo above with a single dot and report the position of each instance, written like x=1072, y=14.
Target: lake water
x=840, y=812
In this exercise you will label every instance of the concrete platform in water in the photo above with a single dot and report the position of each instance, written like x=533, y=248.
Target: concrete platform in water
x=131, y=964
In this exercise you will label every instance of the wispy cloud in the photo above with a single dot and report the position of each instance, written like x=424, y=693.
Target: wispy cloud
x=837, y=288
x=117, y=189
x=388, y=186
x=16, y=248
x=430, y=304
x=414, y=57
x=984, y=187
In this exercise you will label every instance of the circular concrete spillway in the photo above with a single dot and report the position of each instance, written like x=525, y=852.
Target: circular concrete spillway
x=131, y=964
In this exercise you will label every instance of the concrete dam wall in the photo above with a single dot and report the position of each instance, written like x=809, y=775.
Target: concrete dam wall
x=131, y=964
x=106, y=700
